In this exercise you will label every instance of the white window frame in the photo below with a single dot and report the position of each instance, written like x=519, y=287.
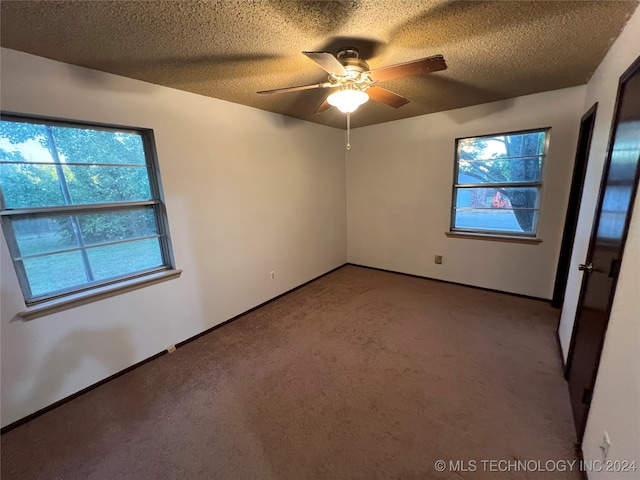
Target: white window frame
x=488, y=233
x=99, y=289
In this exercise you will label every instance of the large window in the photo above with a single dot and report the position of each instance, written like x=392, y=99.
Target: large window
x=498, y=183
x=81, y=205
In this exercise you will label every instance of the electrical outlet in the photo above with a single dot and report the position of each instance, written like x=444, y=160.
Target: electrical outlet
x=605, y=445
x=171, y=348
x=438, y=259
x=273, y=275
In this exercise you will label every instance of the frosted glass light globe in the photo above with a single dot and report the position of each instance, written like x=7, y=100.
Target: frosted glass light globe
x=347, y=100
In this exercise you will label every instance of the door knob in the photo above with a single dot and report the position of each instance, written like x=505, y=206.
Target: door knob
x=586, y=268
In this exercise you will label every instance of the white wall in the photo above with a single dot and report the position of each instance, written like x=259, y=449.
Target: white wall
x=247, y=192
x=399, y=180
x=616, y=400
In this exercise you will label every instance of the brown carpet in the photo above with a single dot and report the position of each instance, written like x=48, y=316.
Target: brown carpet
x=361, y=374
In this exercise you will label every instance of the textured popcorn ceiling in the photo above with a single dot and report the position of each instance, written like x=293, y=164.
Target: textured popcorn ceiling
x=231, y=49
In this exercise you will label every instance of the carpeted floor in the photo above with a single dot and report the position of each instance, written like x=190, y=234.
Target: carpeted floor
x=361, y=374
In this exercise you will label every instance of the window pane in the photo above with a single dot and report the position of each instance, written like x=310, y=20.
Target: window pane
x=35, y=142
x=99, y=184
x=50, y=273
x=26, y=183
x=55, y=272
x=26, y=186
x=505, y=219
x=124, y=258
x=50, y=235
x=497, y=198
x=115, y=226
x=44, y=235
x=504, y=209
x=82, y=145
x=527, y=169
x=502, y=146
x=24, y=142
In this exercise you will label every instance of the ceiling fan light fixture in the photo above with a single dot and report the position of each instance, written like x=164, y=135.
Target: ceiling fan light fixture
x=347, y=100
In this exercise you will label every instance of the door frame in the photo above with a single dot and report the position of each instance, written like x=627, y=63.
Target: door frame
x=573, y=207
x=633, y=69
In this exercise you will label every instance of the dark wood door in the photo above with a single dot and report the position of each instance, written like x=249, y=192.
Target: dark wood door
x=573, y=208
x=606, y=247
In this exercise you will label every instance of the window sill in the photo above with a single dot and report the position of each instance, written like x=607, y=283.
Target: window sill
x=494, y=238
x=82, y=298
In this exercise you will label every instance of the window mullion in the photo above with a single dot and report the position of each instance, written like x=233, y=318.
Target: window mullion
x=500, y=159
x=499, y=185
x=88, y=247
x=77, y=209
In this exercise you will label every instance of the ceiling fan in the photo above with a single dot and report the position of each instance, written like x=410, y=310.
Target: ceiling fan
x=355, y=83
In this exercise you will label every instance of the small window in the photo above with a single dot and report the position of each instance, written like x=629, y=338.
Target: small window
x=81, y=205
x=498, y=183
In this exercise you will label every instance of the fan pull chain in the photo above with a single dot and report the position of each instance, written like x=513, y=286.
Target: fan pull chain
x=348, y=131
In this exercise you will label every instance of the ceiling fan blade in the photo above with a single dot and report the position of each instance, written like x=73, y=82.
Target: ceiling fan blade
x=327, y=62
x=323, y=107
x=296, y=89
x=387, y=97
x=408, y=69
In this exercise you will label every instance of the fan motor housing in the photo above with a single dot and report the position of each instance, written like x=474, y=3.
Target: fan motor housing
x=350, y=59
